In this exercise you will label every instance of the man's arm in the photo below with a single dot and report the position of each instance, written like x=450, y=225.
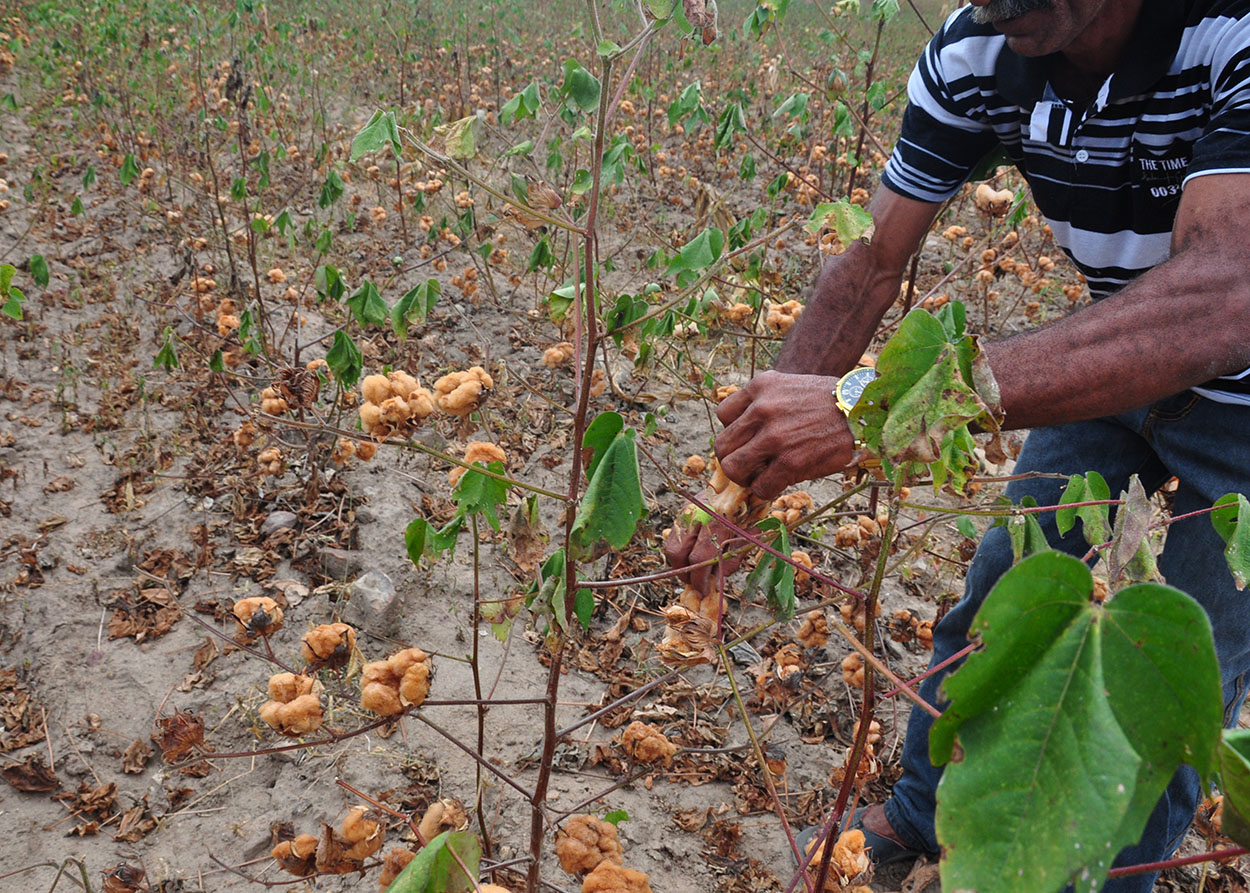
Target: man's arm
x=855, y=289
x=1179, y=325
x=784, y=427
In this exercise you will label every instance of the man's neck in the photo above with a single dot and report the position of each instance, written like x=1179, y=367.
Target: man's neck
x=1082, y=67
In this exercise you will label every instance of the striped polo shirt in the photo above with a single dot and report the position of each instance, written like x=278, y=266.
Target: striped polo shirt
x=1108, y=174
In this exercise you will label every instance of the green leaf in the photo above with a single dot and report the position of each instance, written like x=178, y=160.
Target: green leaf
x=75, y=207
x=329, y=282
x=616, y=816
x=965, y=526
x=1231, y=520
x=607, y=48
x=1094, y=524
x=39, y=270
x=458, y=137
x=584, y=607
x=772, y=576
x=915, y=415
x=423, y=540
x=167, y=357
x=367, y=305
x=1235, y=783
x=848, y=222
x=380, y=131
x=331, y=190
x=478, y=493
x=731, y=121
x=599, y=436
x=580, y=86
x=344, y=359
x=415, y=306
x=12, y=295
x=88, y=177
x=1071, y=719
x=129, y=170
x=582, y=181
x=1025, y=530
x=612, y=505
x=436, y=870
x=522, y=105
x=699, y=253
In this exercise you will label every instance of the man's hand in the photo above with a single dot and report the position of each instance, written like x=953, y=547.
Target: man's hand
x=684, y=547
x=781, y=429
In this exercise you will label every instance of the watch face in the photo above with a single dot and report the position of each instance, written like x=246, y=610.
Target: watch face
x=851, y=386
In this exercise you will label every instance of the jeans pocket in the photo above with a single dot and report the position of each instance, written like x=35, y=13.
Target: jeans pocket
x=1232, y=709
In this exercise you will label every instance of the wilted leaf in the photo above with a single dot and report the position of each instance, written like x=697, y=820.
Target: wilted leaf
x=848, y=222
x=1235, y=783
x=458, y=139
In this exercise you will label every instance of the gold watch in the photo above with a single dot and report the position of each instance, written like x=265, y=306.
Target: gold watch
x=850, y=387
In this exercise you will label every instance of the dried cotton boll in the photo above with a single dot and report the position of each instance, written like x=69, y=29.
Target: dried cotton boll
x=375, y=388
x=991, y=201
x=798, y=556
x=740, y=313
x=371, y=420
x=294, y=705
x=585, y=842
x=245, y=436
x=402, y=680
x=401, y=383
x=329, y=645
x=363, y=833
x=394, y=411
x=344, y=449
x=722, y=393
x=296, y=856
x=257, y=616
x=393, y=863
x=598, y=383
x=694, y=467
x=609, y=877
x=276, y=276
x=782, y=317
x=478, y=451
x=272, y=402
x=853, y=670
x=848, y=536
x=814, y=631
x=790, y=507
x=460, y=393
x=366, y=451
x=270, y=461
x=646, y=743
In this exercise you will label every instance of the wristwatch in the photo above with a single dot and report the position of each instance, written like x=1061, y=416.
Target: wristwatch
x=850, y=387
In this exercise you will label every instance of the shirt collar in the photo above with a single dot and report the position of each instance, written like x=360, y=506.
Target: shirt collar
x=1152, y=47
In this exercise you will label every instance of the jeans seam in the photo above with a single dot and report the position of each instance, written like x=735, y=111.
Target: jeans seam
x=1173, y=416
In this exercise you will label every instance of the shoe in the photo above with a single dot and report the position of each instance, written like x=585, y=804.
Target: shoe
x=882, y=850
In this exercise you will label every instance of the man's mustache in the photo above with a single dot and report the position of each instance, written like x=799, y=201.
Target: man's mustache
x=1002, y=10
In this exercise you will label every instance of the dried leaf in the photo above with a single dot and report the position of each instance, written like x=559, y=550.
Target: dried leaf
x=135, y=758
x=123, y=879
x=136, y=823
x=30, y=775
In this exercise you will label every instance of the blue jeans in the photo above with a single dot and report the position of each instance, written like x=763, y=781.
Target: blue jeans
x=1206, y=445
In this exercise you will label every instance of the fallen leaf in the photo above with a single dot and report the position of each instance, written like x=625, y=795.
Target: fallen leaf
x=30, y=775
x=135, y=758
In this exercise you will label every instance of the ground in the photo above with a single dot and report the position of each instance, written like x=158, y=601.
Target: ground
x=137, y=508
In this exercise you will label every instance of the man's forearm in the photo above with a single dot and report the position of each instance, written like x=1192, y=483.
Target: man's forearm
x=850, y=297
x=1182, y=324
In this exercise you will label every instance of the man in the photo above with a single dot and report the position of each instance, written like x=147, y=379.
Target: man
x=1130, y=119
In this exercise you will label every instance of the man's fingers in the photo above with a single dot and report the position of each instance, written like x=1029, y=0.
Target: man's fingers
x=733, y=406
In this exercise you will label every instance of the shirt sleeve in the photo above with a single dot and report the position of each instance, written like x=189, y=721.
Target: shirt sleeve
x=945, y=131
x=1224, y=146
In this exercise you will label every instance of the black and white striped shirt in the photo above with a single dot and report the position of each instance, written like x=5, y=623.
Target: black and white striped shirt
x=1108, y=176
